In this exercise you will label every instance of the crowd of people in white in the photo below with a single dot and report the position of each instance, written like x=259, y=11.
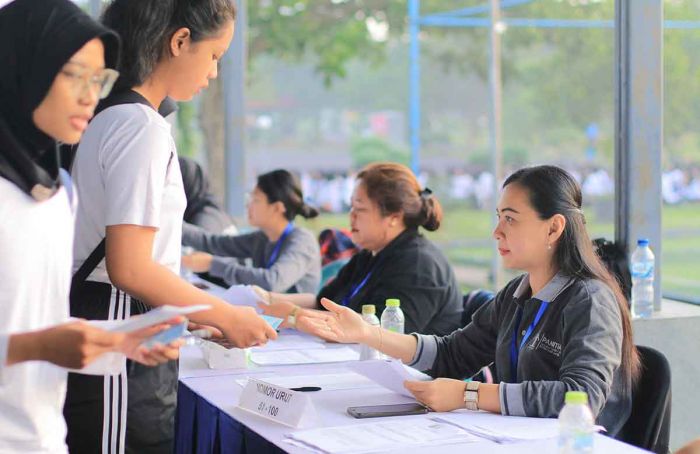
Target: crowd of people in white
x=331, y=192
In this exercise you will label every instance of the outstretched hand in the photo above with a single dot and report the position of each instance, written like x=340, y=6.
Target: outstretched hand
x=339, y=324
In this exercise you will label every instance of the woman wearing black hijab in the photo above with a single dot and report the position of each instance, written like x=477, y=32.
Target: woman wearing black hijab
x=53, y=74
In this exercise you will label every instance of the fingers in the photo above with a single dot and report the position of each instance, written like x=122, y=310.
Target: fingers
x=159, y=353
x=270, y=333
x=419, y=386
x=100, y=339
x=331, y=306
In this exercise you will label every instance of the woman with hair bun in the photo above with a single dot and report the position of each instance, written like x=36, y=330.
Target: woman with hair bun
x=285, y=257
x=396, y=261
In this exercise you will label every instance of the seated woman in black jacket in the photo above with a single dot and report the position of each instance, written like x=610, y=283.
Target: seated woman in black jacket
x=388, y=207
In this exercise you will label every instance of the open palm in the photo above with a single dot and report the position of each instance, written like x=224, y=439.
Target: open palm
x=339, y=324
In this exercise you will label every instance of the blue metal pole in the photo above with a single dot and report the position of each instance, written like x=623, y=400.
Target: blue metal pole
x=234, y=73
x=639, y=126
x=496, y=130
x=414, y=84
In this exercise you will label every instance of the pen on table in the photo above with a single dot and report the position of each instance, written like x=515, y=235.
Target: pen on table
x=305, y=389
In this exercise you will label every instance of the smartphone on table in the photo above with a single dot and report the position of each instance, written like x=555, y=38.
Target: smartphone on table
x=377, y=411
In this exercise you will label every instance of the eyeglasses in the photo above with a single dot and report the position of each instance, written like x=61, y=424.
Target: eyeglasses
x=100, y=82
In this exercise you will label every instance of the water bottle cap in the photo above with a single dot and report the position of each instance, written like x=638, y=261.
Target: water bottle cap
x=393, y=302
x=368, y=309
x=576, y=397
x=643, y=242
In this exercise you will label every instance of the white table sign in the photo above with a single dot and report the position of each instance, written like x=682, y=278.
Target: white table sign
x=291, y=408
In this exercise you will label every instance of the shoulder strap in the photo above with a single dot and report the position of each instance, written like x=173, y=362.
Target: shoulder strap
x=96, y=256
x=90, y=264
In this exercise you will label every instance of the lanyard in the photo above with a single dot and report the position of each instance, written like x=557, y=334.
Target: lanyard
x=354, y=290
x=278, y=246
x=514, y=349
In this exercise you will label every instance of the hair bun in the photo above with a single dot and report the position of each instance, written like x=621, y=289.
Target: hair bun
x=307, y=211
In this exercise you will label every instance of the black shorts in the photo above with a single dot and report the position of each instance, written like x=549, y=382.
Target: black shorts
x=133, y=412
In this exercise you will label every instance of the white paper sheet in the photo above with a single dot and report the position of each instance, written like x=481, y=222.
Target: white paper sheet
x=389, y=373
x=327, y=382
x=383, y=435
x=503, y=430
x=287, y=341
x=152, y=317
x=315, y=356
x=242, y=295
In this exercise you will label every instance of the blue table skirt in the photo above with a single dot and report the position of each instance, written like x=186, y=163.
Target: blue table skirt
x=201, y=428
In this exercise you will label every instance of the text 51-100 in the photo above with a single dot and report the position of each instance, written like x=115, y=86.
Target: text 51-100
x=268, y=409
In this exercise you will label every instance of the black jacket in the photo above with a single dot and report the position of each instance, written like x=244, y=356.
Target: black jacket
x=412, y=269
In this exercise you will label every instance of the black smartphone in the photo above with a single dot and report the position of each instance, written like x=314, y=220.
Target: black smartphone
x=377, y=411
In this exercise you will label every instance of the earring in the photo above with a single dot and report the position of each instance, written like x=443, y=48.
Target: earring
x=549, y=247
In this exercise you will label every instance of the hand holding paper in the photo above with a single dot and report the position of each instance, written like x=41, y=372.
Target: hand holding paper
x=391, y=374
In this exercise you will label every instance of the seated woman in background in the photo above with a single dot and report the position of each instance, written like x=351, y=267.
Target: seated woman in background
x=562, y=326
x=388, y=207
x=286, y=258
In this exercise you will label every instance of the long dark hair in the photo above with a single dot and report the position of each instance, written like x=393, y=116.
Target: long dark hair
x=146, y=27
x=553, y=190
x=395, y=189
x=281, y=186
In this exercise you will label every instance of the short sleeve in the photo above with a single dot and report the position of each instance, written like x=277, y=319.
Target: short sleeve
x=135, y=162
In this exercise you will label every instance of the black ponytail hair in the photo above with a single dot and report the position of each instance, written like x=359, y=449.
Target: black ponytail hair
x=553, y=190
x=281, y=186
x=146, y=27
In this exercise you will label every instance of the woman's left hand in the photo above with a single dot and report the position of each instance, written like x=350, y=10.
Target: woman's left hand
x=199, y=262
x=133, y=349
x=442, y=394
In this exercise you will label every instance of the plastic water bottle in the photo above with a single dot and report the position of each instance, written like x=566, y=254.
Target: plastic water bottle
x=392, y=317
x=576, y=424
x=642, y=270
x=369, y=316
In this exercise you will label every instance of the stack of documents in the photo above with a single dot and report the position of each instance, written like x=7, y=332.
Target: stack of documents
x=327, y=382
x=314, y=356
x=501, y=429
x=381, y=436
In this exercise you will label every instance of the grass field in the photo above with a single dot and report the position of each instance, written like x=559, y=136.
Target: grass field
x=465, y=237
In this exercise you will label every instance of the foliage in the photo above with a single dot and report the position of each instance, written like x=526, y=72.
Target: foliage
x=373, y=149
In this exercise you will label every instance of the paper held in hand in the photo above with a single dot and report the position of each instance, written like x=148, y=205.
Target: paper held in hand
x=153, y=317
x=291, y=408
x=389, y=373
x=242, y=295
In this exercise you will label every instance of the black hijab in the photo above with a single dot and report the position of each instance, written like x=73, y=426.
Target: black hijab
x=38, y=37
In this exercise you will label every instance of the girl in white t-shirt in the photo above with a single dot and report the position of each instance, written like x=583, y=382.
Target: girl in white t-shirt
x=130, y=186
x=53, y=74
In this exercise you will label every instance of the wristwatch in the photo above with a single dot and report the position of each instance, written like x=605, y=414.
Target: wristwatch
x=471, y=395
x=292, y=317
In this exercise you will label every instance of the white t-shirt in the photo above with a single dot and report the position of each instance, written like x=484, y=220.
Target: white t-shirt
x=126, y=172
x=36, y=244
